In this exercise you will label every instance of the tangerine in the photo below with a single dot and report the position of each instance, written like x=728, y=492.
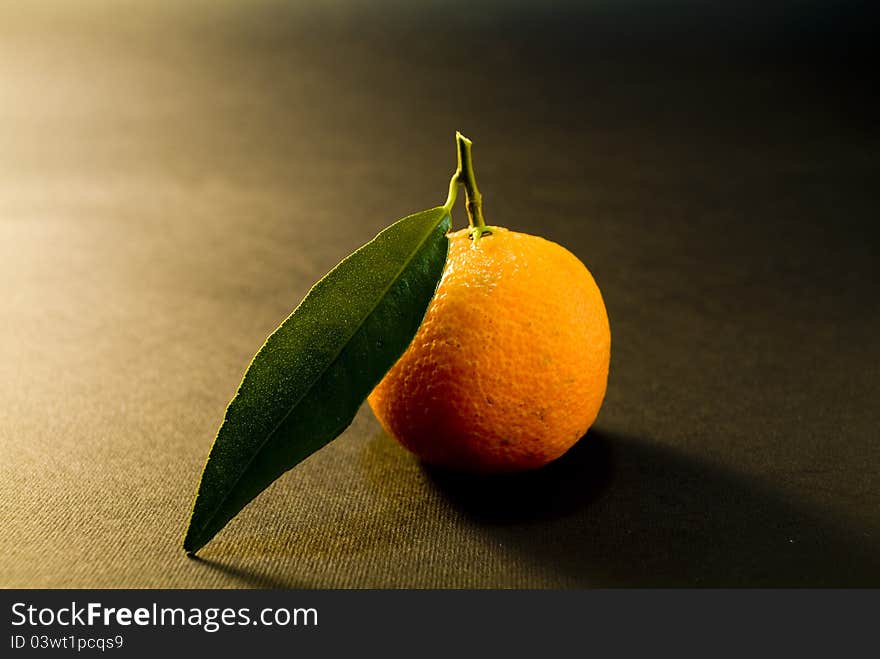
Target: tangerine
x=510, y=365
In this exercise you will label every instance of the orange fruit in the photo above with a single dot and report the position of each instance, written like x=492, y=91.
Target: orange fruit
x=509, y=367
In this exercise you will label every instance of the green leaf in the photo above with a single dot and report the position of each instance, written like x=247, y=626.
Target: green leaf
x=307, y=382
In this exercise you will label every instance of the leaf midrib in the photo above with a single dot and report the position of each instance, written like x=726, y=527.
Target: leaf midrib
x=320, y=375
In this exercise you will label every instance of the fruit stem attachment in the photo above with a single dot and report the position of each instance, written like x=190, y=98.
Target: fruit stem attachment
x=473, y=199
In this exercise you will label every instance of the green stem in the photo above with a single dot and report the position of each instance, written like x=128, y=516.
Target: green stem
x=453, y=190
x=465, y=175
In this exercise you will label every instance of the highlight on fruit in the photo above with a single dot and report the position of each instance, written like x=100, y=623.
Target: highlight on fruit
x=483, y=350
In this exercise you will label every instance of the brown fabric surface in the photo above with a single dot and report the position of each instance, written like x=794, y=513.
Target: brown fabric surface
x=174, y=179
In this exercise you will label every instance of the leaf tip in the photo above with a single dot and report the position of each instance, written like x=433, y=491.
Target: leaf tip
x=190, y=544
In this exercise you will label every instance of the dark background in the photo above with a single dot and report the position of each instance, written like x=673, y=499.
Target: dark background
x=175, y=176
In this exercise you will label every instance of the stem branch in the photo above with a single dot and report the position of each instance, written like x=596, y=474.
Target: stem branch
x=465, y=175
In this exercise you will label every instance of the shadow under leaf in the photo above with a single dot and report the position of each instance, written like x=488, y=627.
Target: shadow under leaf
x=246, y=577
